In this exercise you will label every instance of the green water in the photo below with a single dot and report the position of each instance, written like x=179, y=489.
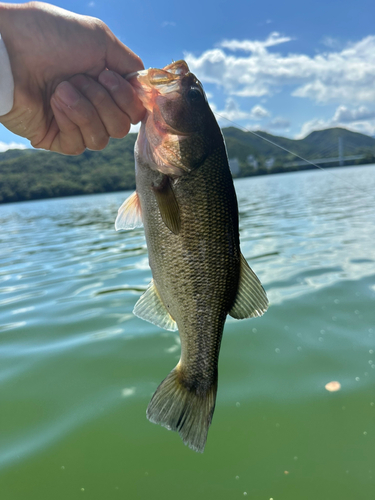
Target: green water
x=77, y=369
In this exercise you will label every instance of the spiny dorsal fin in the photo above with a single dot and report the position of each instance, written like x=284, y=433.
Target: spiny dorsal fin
x=168, y=206
x=251, y=299
x=151, y=308
x=129, y=214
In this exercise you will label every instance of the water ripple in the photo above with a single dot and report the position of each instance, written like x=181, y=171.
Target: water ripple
x=69, y=283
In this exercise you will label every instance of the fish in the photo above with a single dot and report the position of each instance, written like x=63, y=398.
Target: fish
x=186, y=201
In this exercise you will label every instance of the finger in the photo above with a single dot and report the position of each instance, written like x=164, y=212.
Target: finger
x=120, y=58
x=65, y=136
x=83, y=114
x=123, y=94
x=116, y=121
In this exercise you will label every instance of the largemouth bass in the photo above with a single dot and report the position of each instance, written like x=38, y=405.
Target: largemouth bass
x=186, y=201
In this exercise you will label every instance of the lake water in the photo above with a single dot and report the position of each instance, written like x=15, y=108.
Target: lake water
x=77, y=369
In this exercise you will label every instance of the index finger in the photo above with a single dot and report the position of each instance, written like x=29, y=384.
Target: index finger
x=119, y=57
x=123, y=94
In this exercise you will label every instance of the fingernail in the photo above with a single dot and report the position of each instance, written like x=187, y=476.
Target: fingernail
x=109, y=80
x=56, y=104
x=67, y=94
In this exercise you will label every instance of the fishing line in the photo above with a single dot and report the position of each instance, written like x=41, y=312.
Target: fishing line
x=296, y=155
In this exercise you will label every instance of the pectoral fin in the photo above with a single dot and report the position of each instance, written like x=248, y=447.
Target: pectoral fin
x=251, y=299
x=129, y=214
x=168, y=206
x=151, y=308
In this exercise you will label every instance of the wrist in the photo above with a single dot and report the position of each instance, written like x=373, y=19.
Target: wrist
x=7, y=29
x=8, y=26
x=6, y=11
x=6, y=81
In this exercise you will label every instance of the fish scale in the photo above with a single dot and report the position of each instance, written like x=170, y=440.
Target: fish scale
x=188, y=206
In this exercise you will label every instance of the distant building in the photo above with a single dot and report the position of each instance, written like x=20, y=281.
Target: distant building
x=252, y=161
x=270, y=162
x=234, y=166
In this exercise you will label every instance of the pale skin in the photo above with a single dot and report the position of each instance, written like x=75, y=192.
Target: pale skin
x=70, y=92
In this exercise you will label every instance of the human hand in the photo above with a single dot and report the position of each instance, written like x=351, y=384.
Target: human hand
x=68, y=92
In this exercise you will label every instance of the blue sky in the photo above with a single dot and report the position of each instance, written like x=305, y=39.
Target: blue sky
x=287, y=67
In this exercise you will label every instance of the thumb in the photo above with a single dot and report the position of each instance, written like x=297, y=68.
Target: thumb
x=119, y=57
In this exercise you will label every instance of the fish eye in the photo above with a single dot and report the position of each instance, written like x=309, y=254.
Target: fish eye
x=194, y=94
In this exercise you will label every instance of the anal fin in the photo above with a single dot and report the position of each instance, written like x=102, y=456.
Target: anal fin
x=251, y=299
x=151, y=308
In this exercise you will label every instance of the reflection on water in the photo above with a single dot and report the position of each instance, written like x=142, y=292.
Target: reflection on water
x=78, y=369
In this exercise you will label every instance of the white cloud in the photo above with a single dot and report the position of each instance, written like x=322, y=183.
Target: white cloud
x=259, y=112
x=11, y=145
x=279, y=123
x=331, y=42
x=134, y=129
x=168, y=23
x=345, y=115
x=311, y=125
x=360, y=120
x=255, y=45
x=252, y=126
x=344, y=76
x=233, y=112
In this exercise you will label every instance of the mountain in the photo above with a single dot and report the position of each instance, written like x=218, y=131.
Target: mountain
x=30, y=174
x=353, y=141
x=42, y=174
x=240, y=144
x=318, y=144
x=15, y=153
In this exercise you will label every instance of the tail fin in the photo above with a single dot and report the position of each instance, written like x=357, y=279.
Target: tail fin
x=187, y=411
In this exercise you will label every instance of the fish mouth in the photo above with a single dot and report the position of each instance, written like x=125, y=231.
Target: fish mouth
x=151, y=83
x=148, y=83
x=161, y=79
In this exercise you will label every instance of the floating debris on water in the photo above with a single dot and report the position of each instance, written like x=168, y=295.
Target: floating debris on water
x=128, y=391
x=333, y=386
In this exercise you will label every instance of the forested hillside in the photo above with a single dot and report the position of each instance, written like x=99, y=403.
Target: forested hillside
x=30, y=174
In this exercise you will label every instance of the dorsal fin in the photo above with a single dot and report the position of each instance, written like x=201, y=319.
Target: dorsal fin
x=251, y=299
x=129, y=214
